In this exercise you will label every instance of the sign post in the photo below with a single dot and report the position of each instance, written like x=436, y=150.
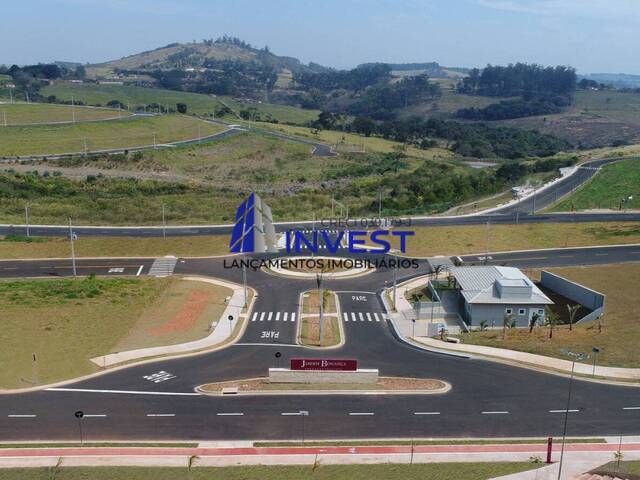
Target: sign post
x=278, y=355
x=79, y=414
x=230, y=318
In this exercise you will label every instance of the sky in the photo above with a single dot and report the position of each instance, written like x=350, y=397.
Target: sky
x=593, y=36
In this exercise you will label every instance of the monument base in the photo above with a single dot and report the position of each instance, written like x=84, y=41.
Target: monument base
x=285, y=375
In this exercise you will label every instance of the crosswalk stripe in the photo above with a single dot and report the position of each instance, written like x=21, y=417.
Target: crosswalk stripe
x=277, y=316
x=361, y=317
x=376, y=317
x=286, y=314
x=255, y=314
x=262, y=316
x=269, y=317
x=345, y=315
x=368, y=316
x=293, y=316
x=353, y=316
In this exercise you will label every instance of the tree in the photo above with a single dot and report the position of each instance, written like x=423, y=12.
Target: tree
x=363, y=125
x=552, y=320
x=181, y=107
x=573, y=311
x=506, y=322
x=483, y=325
x=533, y=322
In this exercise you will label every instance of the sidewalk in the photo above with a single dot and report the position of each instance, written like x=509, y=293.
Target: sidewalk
x=578, y=458
x=403, y=327
x=222, y=331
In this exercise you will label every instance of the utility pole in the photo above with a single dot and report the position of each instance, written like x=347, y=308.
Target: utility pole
x=26, y=94
x=73, y=252
x=73, y=110
x=199, y=135
x=154, y=141
x=26, y=217
x=488, y=239
x=5, y=118
x=380, y=204
x=164, y=225
x=11, y=95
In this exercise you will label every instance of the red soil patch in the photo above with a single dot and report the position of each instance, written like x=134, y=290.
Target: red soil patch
x=188, y=314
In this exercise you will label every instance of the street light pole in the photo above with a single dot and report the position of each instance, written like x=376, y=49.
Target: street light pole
x=395, y=281
x=244, y=282
x=73, y=252
x=164, y=225
x=26, y=217
x=574, y=357
x=321, y=303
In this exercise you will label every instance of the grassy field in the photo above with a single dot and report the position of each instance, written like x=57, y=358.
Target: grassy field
x=613, y=184
x=432, y=471
x=49, y=139
x=26, y=113
x=67, y=322
x=94, y=94
x=48, y=247
x=620, y=334
x=596, y=119
x=368, y=144
x=472, y=239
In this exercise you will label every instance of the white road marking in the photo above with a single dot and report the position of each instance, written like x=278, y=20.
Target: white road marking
x=286, y=314
x=21, y=416
x=361, y=317
x=101, y=415
x=262, y=316
x=293, y=316
x=563, y=411
x=495, y=413
x=353, y=317
x=269, y=317
x=369, y=317
x=426, y=413
x=601, y=254
x=376, y=317
x=345, y=316
x=291, y=414
x=361, y=413
x=631, y=408
x=139, y=270
x=255, y=315
x=127, y=392
x=277, y=316
x=237, y=414
x=161, y=414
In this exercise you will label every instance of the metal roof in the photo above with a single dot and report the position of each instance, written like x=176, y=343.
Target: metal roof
x=478, y=285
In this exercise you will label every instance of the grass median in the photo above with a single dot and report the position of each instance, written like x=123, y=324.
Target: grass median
x=52, y=328
x=310, y=320
x=432, y=471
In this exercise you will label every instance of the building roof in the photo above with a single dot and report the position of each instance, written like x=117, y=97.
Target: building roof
x=498, y=285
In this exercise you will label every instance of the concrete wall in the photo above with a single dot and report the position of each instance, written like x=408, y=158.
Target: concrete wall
x=284, y=375
x=586, y=297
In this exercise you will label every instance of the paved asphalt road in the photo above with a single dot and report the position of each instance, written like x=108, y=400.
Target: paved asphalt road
x=487, y=399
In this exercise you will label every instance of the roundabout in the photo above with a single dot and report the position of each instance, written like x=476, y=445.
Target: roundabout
x=328, y=267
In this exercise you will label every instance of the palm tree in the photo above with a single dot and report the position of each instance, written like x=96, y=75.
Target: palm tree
x=552, y=320
x=534, y=321
x=573, y=311
x=506, y=321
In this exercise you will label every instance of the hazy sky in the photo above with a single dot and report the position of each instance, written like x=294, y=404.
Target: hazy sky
x=591, y=35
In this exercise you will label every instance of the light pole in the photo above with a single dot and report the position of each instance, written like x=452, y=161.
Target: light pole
x=73, y=252
x=575, y=357
x=230, y=318
x=320, y=302
x=164, y=224
x=395, y=282
x=26, y=217
x=244, y=282
x=595, y=351
x=303, y=413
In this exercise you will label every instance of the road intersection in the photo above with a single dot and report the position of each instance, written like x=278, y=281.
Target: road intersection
x=157, y=400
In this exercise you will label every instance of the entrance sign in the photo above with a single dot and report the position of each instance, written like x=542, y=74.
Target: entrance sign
x=324, y=364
